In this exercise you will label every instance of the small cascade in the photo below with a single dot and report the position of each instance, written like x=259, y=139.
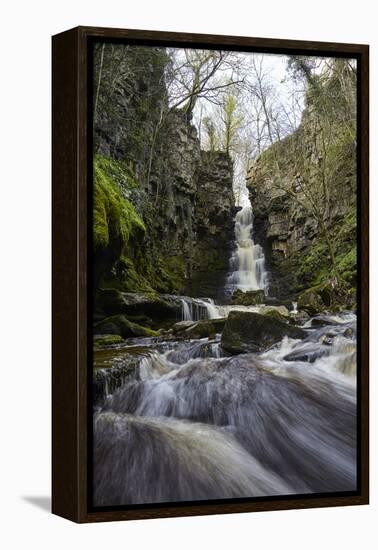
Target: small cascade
x=186, y=312
x=248, y=261
x=197, y=309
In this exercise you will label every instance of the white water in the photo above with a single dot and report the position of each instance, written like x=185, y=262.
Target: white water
x=248, y=261
x=195, y=309
x=192, y=425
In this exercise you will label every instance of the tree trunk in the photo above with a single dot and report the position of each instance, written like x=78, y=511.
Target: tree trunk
x=98, y=83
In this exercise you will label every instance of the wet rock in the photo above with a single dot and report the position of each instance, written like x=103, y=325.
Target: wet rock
x=323, y=320
x=113, y=302
x=311, y=301
x=299, y=318
x=103, y=340
x=203, y=329
x=182, y=325
x=247, y=331
x=249, y=298
x=278, y=312
x=348, y=333
x=120, y=325
x=106, y=380
x=309, y=355
x=327, y=339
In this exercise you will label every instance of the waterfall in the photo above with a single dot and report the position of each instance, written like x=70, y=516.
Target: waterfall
x=187, y=314
x=248, y=261
x=195, y=309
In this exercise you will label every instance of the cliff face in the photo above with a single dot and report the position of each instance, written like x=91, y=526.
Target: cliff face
x=295, y=245
x=214, y=211
x=181, y=196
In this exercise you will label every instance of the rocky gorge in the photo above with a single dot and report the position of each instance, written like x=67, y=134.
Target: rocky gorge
x=224, y=332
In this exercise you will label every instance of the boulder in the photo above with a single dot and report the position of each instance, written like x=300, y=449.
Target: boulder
x=246, y=331
x=249, y=298
x=299, y=318
x=278, y=312
x=311, y=301
x=326, y=296
x=113, y=302
x=120, y=325
x=182, y=325
x=309, y=354
x=348, y=333
x=323, y=320
x=205, y=329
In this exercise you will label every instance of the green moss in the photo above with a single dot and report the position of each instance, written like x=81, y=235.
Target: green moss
x=107, y=340
x=314, y=264
x=347, y=265
x=120, y=325
x=171, y=273
x=126, y=277
x=114, y=216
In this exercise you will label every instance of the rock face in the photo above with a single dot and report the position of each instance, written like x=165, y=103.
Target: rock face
x=296, y=252
x=214, y=212
x=246, y=332
x=182, y=195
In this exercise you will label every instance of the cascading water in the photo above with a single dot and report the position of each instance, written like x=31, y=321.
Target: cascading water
x=177, y=420
x=189, y=424
x=248, y=261
x=195, y=309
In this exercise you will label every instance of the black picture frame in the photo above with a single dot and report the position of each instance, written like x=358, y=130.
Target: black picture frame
x=71, y=181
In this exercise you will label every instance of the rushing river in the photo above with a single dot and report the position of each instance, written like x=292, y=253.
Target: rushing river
x=187, y=423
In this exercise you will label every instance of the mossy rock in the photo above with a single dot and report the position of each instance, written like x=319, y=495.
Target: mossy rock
x=249, y=298
x=327, y=296
x=120, y=325
x=311, y=300
x=278, y=312
x=182, y=325
x=246, y=331
x=136, y=306
x=299, y=318
x=110, y=301
x=205, y=329
x=104, y=340
x=151, y=305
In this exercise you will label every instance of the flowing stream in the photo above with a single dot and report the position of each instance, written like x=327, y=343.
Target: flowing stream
x=188, y=423
x=179, y=420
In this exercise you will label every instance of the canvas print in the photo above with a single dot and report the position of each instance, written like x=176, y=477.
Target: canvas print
x=224, y=275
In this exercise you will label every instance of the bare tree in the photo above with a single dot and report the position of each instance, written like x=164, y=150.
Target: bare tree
x=212, y=134
x=195, y=74
x=314, y=177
